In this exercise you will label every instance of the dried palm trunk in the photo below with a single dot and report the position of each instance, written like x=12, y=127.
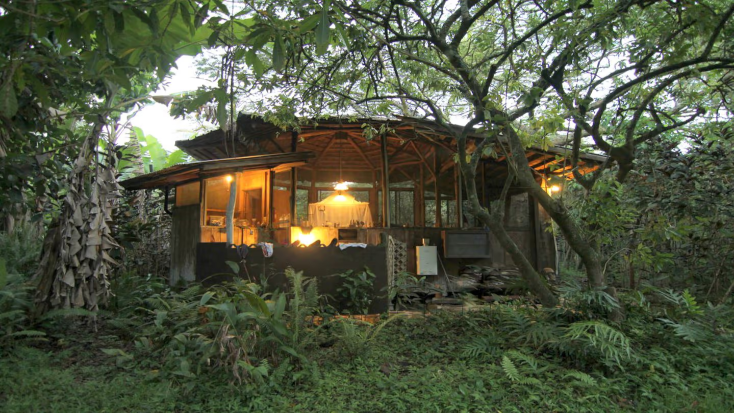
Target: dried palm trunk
x=75, y=264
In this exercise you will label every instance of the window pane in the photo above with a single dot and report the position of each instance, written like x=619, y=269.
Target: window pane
x=282, y=199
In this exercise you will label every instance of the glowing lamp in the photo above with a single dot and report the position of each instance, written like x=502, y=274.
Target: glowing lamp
x=341, y=186
x=306, y=239
x=228, y=178
x=555, y=188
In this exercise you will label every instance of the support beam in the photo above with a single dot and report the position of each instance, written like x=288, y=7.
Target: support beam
x=423, y=159
x=294, y=179
x=230, y=209
x=361, y=153
x=385, y=182
x=399, y=150
x=328, y=146
x=459, y=196
x=436, y=191
x=271, y=209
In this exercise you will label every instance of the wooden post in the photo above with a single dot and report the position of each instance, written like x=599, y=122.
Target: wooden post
x=437, y=193
x=294, y=179
x=419, y=206
x=385, y=183
x=312, y=196
x=485, y=203
x=373, y=197
x=271, y=212
x=230, y=209
x=459, y=196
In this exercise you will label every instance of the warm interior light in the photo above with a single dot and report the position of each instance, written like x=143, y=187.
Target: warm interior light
x=341, y=186
x=306, y=239
x=555, y=188
x=340, y=197
x=228, y=178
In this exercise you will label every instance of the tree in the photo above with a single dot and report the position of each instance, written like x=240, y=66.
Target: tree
x=69, y=69
x=619, y=72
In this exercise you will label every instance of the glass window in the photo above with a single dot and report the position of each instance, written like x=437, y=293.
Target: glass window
x=250, y=209
x=282, y=199
x=401, y=208
x=216, y=198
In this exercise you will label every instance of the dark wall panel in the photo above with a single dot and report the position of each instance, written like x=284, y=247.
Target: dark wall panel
x=319, y=262
x=185, y=232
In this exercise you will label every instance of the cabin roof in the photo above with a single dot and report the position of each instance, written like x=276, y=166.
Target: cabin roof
x=188, y=172
x=339, y=143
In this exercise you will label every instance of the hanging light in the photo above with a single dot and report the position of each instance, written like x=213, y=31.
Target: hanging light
x=342, y=185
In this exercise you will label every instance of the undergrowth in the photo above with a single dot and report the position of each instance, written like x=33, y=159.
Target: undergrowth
x=160, y=349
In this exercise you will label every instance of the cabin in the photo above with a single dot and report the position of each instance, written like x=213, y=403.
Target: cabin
x=341, y=194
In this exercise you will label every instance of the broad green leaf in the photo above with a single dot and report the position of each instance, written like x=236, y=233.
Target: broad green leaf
x=278, y=54
x=234, y=266
x=254, y=62
x=309, y=23
x=176, y=157
x=322, y=32
x=257, y=302
x=206, y=297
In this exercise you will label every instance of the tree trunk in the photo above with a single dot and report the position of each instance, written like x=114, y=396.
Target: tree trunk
x=494, y=222
x=587, y=250
x=75, y=264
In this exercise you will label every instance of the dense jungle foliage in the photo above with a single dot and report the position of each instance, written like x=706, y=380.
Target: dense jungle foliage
x=236, y=348
x=642, y=320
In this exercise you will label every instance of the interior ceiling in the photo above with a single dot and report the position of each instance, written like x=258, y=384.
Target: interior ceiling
x=413, y=146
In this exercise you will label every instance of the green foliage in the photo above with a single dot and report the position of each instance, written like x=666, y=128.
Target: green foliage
x=442, y=362
x=593, y=302
x=610, y=343
x=18, y=257
x=356, y=336
x=356, y=290
x=407, y=289
x=484, y=347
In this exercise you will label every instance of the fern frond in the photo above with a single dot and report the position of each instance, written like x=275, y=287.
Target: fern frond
x=610, y=342
x=510, y=369
x=480, y=346
x=582, y=378
x=689, y=330
x=527, y=359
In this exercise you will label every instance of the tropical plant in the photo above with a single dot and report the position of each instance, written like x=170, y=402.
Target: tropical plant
x=356, y=290
x=406, y=289
x=357, y=336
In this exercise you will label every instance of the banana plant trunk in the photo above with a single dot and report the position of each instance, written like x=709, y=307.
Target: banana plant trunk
x=75, y=263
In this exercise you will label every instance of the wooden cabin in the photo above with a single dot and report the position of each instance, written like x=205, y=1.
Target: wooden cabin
x=391, y=184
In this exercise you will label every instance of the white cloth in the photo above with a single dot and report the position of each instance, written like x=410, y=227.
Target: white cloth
x=341, y=211
x=352, y=244
x=267, y=248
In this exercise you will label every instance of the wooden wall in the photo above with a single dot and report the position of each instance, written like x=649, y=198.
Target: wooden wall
x=184, y=238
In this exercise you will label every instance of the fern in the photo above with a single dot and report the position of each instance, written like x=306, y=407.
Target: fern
x=513, y=322
x=690, y=330
x=530, y=361
x=480, y=347
x=540, y=333
x=513, y=372
x=611, y=343
x=581, y=379
x=510, y=370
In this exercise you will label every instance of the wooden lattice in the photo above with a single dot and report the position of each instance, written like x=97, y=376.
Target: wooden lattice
x=397, y=259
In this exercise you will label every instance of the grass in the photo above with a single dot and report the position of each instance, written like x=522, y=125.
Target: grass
x=413, y=365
